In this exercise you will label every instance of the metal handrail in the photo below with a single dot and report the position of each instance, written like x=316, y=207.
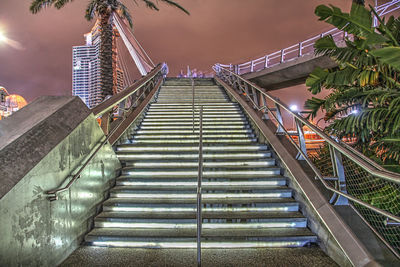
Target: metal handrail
x=199, y=180
x=110, y=103
x=53, y=193
x=381, y=10
x=353, y=155
x=100, y=109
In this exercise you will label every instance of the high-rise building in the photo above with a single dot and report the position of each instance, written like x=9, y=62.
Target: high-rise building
x=86, y=69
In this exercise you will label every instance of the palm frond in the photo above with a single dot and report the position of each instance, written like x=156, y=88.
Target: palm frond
x=38, y=5
x=124, y=13
x=174, y=4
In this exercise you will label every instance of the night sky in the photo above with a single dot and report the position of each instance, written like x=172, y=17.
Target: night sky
x=225, y=31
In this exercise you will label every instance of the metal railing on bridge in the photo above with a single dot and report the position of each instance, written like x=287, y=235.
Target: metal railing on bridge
x=351, y=177
x=302, y=48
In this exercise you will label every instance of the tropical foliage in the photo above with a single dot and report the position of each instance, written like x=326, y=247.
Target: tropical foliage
x=104, y=10
x=364, y=98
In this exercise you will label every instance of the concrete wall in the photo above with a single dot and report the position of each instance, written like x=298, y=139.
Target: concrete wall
x=39, y=148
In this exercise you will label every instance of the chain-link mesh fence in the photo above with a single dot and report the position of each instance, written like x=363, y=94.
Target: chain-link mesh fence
x=376, y=191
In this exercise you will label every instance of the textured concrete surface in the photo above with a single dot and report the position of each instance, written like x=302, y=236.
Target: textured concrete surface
x=34, y=231
x=96, y=256
x=289, y=73
x=28, y=135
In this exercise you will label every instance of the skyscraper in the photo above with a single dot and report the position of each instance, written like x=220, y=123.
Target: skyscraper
x=86, y=69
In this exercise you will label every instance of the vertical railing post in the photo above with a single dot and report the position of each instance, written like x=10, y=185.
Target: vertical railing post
x=265, y=104
x=279, y=130
x=282, y=55
x=339, y=171
x=266, y=62
x=199, y=180
x=252, y=66
x=255, y=98
x=300, y=49
x=193, y=100
x=302, y=140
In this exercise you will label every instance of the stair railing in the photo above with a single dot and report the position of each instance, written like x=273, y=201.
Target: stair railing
x=348, y=174
x=118, y=113
x=199, y=180
x=192, y=80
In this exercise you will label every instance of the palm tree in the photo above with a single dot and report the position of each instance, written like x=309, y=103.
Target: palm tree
x=364, y=98
x=104, y=10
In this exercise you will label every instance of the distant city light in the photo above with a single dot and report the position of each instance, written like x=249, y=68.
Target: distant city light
x=293, y=108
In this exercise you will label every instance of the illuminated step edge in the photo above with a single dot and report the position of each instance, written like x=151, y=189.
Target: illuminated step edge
x=264, y=234
x=223, y=104
x=196, y=131
x=180, y=164
x=188, y=118
x=276, y=223
x=166, y=110
x=207, y=123
x=127, y=157
x=189, y=113
x=236, y=185
x=205, y=196
x=181, y=136
x=272, y=207
x=190, y=127
x=206, y=174
x=191, y=141
x=204, y=244
x=216, y=148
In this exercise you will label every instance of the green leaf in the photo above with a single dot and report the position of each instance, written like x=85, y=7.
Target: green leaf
x=388, y=55
x=315, y=80
x=358, y=22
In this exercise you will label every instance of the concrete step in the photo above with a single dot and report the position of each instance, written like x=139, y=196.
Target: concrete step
x=196, y=119
x=189, y=148
x=194, y=164
x=196, y=132
x=191, y=244
x=127, y=157
x=186, y=213
x=278, y=220
x=284, y=205
x=185, y=108
x=184, y=201
x=235, y=232
x=196, y=123
x=194, y=141
x=174, y=184
x=180, y=105
x=189, y=126
x=189, y=112
x=232, y=174
x=190, y=116
x=205, y=136
x=150, y=196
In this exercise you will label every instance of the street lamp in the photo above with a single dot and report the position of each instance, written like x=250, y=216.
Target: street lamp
x=294, y=108
x=3, y=38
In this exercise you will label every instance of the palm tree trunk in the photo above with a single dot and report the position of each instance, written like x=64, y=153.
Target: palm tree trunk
x=106, y=56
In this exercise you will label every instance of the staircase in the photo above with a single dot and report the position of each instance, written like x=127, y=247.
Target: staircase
x=246, y=200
